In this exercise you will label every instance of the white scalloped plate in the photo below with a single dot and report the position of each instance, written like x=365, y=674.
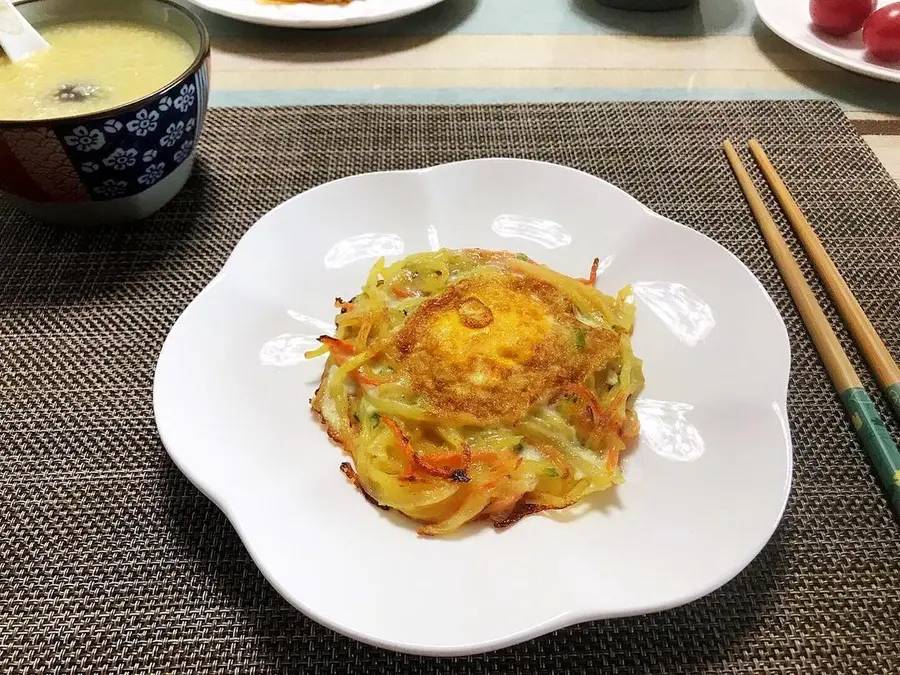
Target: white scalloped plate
x=307, y=15
x=706, y=485
x=789, y=20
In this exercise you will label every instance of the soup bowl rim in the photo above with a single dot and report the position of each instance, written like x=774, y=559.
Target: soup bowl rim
x=199, y=58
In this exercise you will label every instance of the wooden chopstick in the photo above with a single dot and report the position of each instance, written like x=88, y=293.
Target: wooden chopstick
x=870, y=343
x=866, y=421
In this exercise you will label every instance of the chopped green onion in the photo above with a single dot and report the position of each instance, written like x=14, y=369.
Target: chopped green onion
x=580, y=339
x=553, y=473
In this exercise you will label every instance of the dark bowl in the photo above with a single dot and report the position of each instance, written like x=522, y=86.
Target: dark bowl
x=647, y=5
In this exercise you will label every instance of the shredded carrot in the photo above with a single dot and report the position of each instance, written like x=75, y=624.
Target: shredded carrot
x=485, y=456
x=452, y=457
x=446, y=464
x=334, y=343
x=401, y=292
x=501, y=475
x=620, y=400
x=496, y=461
x=592, y=280
x=426, y=465
x=612, y=459
x=364, y=330
x=365, y=379
x=589, y=397
x=403, y=442
x=359, y=376
x=557, y=458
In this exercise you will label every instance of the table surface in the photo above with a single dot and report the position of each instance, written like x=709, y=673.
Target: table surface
x=112, y=562
x=485, y=51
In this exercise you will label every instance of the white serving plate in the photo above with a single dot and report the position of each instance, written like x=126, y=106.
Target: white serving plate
x=706, y=485
x=789, y=19
x=304, y=15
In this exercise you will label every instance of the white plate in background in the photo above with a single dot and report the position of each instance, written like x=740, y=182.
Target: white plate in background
x=789, y=19
x=313, y=15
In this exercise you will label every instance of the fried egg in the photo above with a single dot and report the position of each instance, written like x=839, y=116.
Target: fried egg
x=492, y=346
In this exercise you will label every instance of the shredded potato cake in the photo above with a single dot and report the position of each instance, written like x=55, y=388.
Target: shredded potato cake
x=478, y=384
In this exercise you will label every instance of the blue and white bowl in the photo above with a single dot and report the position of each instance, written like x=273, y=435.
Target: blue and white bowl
x=117, y=165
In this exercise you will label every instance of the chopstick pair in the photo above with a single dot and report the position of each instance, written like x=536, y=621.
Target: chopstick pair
x=866, y=421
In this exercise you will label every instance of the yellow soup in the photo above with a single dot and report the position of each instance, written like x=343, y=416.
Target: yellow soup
x=91, y=66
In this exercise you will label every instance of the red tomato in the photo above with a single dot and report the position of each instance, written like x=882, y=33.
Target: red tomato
x=881, y=33
x=840, y=17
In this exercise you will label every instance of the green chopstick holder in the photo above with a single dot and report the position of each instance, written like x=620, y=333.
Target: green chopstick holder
x=875, y=438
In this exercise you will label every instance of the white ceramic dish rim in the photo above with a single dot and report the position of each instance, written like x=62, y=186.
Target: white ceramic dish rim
x=820, y=49
x=350, y=18
x=563, y=621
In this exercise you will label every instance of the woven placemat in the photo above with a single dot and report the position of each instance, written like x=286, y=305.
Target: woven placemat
x=111, y=562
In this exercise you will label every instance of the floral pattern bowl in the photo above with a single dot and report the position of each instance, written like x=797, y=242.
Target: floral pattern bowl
x=117, y=165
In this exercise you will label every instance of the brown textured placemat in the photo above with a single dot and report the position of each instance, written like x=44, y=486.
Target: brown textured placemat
x=111, y=562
